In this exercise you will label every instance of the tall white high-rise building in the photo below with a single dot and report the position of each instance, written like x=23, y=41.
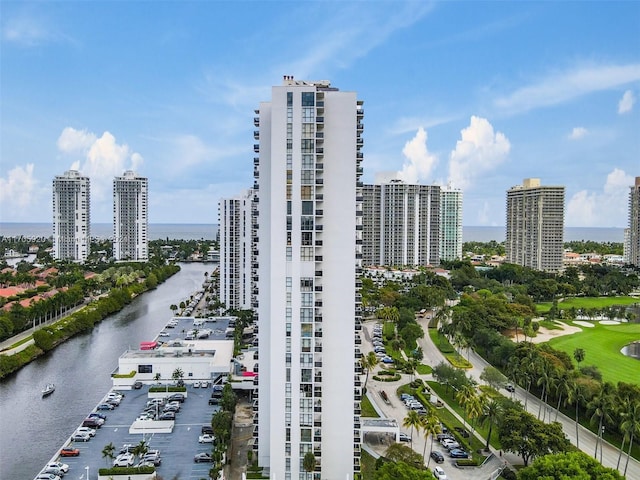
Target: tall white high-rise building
x=71, y=217
x=309, y=225
x=535, y=225
x=401, y=224
x=130, y=217
x=632, y=233
x=450, y=223
x=235, y=219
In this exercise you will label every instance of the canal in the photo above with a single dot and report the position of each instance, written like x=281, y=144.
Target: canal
x=32, y=428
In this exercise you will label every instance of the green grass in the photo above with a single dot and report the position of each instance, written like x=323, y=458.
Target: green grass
x=17, y=344
x=367, y=409
x=367, y=466
x=549, y=325
x=586, y=302
x=602, y=345
x=423, y=369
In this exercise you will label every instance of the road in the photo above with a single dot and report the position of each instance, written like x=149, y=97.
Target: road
x=587, y=439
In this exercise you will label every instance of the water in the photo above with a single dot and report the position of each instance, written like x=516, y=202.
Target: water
x=33, y=428
x=632, y=350
x=157, y=231
x=571, y=234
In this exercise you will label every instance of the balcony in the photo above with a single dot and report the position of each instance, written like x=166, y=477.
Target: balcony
x=256, y=160
x=319, y=167
x=319, y=150
x=319, y=181
x=320, y=120
x=256, y=147
x=256, y=134
x=256, y=121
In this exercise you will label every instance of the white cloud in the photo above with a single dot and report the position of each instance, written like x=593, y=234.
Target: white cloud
x=601, y=209
x=420, y=161
x=565, y=86
x=577, y=133
x=479, y=151
x=625, y=105
x=16, y=190
x=28, y=30
x=102, y=158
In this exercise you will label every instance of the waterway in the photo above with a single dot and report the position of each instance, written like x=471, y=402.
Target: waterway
x=32, y=428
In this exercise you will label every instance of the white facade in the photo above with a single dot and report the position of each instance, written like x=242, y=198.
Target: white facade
x=309, y=218
x=450, y=223
x=401, y=224
x=535, y=225
x=130, y=217
x=235, y=229
x=71, y=217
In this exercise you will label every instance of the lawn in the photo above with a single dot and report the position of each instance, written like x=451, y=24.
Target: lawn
x=586, y=302
x=602, y=345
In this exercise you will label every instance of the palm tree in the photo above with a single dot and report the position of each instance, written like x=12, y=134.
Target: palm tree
x=601, y=406
x=630, y=427
x=108, y=453
x=575, y=396
x=368, y=362
x=562, y=389
x=140, y=449
x=464, y=396
x=431, y=427
x=578, y=355
x=492, y=413
x=412, y=420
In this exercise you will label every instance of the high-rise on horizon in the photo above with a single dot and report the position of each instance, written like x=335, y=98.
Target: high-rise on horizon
x=235, y=219
x=71, y=216
x=632, y=233
x=130, y=217
x=535, y=225
x=309, y=226
x=401, y=224
x=450, y=223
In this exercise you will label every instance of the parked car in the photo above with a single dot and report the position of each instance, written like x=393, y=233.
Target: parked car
x=124, y=460
x=92, y=423
x=196, y=384
x=105, y=406
x=438, y=472
x=54, y=470
x=458, y=453
x=437, y=457
x=387, y=360
x=153, y=457
x=127, y=448
x=47, y=476
x=90, y=431
x=171, y=408
x=206, y=438
x=69, y=452
x=403, y=437
x=214, y=401
x=206, y=429
x=203, y=457
x=176, y=397
x=462, y=432
x=450, y=444
x=163, y=334
x=61, y=466
x=137, y=385
x=80, y=437
x=167, y=416
x=204, y=384
x=97, y=415
x=113, y=401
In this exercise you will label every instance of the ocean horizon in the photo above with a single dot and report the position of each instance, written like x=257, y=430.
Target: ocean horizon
x=209, y=231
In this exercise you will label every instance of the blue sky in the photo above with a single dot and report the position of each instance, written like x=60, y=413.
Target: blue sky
x=477, y=94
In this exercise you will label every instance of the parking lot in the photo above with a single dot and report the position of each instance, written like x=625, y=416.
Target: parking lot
x=177, y=448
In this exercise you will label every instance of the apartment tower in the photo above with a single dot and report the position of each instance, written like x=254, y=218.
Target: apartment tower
x=71, y=217
x=235, y=229
x=401, y=224
x=450, y=223
x=309, y=221
x=535, y=225
x=632, y=234
x=130, y=217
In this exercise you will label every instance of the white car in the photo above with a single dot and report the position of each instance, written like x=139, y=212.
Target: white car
x=47, y=476
x=124, y=460
x=86, y=430
x=62, y=466
x=196, y=384
x=439, y=473
x=163, y=334
x=206, y=438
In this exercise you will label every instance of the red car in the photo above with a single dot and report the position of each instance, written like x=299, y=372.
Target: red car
x=69, y=452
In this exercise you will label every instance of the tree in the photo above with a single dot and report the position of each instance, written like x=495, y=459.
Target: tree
x=140, y=449
x=177, y=374
x=309, y=462
x=492, y=413
x=575, y=397
x=412, y=420
x=400, y=453
x=564, y=465
x=465, y=397
x=578, y=355
x=430, y=424
x=493, y=377
x=601, y=407
x=108, y=453
x=398, y=471
x=630, y=427
x=368, y=362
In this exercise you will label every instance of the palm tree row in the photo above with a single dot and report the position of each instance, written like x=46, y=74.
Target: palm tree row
x=429, y=423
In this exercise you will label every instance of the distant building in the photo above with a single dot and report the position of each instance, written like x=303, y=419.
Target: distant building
x=71, y=217
x=535, y=225
x=450, y=223
x=632, y=233
x=309, y=220
x=401, y=224
x=235, y=220
x=130, y=217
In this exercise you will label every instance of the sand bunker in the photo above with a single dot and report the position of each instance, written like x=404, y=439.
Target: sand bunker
x=609, y=322
x=544, y=334
x=583, y=323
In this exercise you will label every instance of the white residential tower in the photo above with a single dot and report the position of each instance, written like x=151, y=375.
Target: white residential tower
x=130, y=217
x=71, y=217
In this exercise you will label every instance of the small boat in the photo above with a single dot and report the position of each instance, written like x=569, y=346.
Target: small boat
x=48, y=389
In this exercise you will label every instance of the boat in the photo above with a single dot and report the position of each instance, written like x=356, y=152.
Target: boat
x=48, y=389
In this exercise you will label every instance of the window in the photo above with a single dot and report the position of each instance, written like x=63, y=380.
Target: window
x=289, y=205
x=306, y=177
x=306, y=254
x=305, y=434
x=307, y=208
x=307, y=130
x=306, y=223
x=306, y=315
x=306, y=239
x=306, y=145
x=306, y=192
x=308, y=99
x=307, y=161
x=308, y=115
x=306, y=299
x=289, y=99
x=145, y=368
x=306, y=284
